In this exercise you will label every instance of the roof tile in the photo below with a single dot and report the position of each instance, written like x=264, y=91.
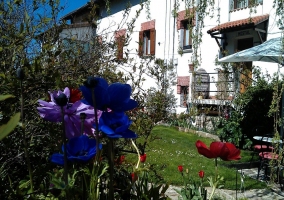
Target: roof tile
x=251, y=20
x=183, y=80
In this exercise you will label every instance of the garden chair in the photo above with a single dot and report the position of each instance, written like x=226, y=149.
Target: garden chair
x=258, y=144
x=268, y=153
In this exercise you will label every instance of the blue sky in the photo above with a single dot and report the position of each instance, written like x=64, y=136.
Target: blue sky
x=71, y=5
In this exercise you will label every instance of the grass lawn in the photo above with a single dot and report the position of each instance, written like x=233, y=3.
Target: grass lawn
x=173, y=148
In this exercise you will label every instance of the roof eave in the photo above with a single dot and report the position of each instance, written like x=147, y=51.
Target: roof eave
x=78, y=10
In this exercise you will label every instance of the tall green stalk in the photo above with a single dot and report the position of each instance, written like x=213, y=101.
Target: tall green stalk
x=111, y=167
x=63, y=136
x=25, y=140
x=95, y=181
x=96, y=123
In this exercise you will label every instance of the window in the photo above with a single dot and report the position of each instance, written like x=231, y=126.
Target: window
x=147, y=42
x=245, y=3
x=185, y=24
x=183, y=89
x=185, y=35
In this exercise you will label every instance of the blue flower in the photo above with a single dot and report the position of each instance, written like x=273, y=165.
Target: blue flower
x=79, y=149
x=100, y=89
x=118, y=97
x=115, y=125
x=115, y=97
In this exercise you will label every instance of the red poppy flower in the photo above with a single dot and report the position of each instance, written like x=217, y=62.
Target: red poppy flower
x=180, y=168
x=75, y=95
x=201, y=174
x=204, y=150
x=143, y=158
x=234, y=153
x=226, y=151
x=122, y=158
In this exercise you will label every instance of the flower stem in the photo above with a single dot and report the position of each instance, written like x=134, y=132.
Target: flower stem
x=82, y=118
x=96, y=123
x=216, y=169
x=212, y=193
x=136, y=148
x=65, y=175
x=111, y=166
x=25, y=140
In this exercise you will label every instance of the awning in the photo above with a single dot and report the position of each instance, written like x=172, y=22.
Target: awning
x=238, y=24
x=183, y=80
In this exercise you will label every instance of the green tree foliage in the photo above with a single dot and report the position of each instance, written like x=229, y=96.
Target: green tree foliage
x=252, y=110
x=30, y=39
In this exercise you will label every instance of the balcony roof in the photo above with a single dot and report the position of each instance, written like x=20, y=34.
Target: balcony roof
x=239, y=24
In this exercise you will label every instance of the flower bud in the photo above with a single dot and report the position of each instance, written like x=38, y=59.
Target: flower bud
x=61, y=100
x=180, y=168
x=91, y=82
x=83, y=116
x=201, y=174
x=134, y=177
x=20, y=73
x=143, y=158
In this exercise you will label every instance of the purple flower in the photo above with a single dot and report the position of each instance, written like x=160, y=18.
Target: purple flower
x=79, y=149
x=116, y=125
x=50, y=111
x=60, y=98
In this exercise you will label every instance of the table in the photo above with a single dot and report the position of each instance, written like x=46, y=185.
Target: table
x=267, y=139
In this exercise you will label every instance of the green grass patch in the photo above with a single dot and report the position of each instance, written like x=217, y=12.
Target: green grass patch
x=173, y=148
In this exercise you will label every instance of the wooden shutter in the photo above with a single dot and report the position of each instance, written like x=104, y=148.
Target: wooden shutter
x=140, y=43
x=246, y=77
x=152, y=41
x=120, y=44
x=178, y=89
x=99, y=39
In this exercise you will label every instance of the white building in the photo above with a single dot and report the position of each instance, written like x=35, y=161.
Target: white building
x=234, y=26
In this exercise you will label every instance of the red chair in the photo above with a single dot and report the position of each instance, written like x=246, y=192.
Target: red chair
x=266, y=155
x=260, y=145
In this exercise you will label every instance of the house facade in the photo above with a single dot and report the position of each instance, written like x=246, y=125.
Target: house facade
x=233, y=26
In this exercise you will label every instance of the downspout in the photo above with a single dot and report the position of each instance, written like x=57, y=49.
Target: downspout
x=168, y=56
x=165, y=43
x=174, y=32
x=165, y=29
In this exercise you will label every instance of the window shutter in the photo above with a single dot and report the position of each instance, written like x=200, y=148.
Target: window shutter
x=120, y=44
x=178, y=89
x=181, y=38
x=152, y=41
x=140, y=43
x=235, y=4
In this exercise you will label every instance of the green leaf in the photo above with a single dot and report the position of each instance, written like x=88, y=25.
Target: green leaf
x=3, y=97
x=21, y=27
x=9, y=127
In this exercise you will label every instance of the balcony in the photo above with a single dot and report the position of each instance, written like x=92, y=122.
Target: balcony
x=242, y=4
